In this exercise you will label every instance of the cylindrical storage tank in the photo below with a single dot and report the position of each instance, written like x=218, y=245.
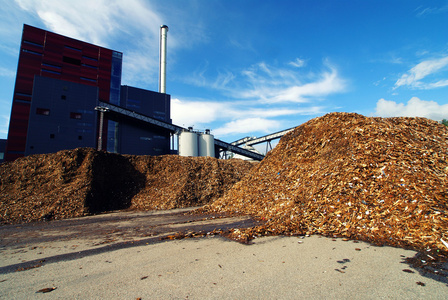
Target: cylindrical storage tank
x=206, y=145
x=188, y=144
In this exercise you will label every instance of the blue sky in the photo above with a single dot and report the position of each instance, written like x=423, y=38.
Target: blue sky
x=248, y=68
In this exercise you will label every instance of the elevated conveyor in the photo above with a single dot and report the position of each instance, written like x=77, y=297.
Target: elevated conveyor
x=111, y=108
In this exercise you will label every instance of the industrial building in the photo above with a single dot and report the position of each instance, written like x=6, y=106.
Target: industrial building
x=59, y=83
x=68, y=94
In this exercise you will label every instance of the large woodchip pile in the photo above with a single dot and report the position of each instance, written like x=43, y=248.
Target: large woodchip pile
x=383, y=180
x=83, y=181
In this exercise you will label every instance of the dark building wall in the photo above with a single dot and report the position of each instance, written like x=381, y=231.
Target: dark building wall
x=62, y=116
x=47, y=54
x=141, y=139
x=2, y=149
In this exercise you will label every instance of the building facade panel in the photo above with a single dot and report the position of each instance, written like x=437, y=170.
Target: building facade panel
x=48, y=54
x=62, y=116
x=135, y=138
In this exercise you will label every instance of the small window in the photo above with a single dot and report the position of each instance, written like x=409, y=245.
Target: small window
x=71, y=60
x=88, y=79
x=51, y=71
x=80, y=137
x=51, y=135
x=32, y=52
x=73, y=48
x=43, y=111
x=75, y=115
x=63, y=97
x=33, y=43
x=91, y=58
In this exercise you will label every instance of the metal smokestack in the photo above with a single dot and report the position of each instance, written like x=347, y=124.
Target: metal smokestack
x=162, y=56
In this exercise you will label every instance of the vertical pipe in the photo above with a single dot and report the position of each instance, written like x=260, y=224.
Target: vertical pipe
x=100, y=136
x=162, y=57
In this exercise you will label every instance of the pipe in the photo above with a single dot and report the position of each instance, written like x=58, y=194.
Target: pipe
x=162, y=57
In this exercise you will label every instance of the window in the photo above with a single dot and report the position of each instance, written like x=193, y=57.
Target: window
x=51, y=71
x=88, y=79
x=91, y=58
x=71, y=60
x=75, y=115
x=51, y=135
x=32, y=52
x=32, y=43
x=43, y=111
x=63, y=97
x=80, y=137
x=90, y=66
x=73, y=48
x=52, y=66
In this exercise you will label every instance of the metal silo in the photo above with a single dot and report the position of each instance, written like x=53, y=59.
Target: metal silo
x=206, y=144
x=188, y=143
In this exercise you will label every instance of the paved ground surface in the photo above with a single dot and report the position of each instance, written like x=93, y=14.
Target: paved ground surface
x=123, y=256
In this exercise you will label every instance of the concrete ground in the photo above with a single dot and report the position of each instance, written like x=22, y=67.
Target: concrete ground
x=122, y=256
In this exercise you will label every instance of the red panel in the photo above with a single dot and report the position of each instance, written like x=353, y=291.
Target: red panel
x=83, y=61
x=33, y=34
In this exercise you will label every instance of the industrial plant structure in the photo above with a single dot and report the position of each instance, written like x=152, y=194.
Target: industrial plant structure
x=68, y=94
x=59, y=83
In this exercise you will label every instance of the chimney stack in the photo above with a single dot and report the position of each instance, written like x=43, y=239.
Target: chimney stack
x=162, y=56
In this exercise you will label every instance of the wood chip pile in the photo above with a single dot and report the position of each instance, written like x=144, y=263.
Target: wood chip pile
x=175, y=181
x=382, y=180
x=83, y=181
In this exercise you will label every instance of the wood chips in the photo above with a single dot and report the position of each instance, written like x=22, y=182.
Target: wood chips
x=83, y=181
x=382, y=180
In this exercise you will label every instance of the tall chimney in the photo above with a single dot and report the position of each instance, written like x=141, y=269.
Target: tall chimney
x=162, y=56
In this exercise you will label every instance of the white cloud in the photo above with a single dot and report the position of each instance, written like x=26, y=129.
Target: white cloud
x=4, y=72
x=203, y=113
x=248, y=125
x=103, y=22
x=298, y=63
x=276, y=85
x=424, y=11
x=414, y=108
x=4, y=124
x=195, y=113
x=413, y=78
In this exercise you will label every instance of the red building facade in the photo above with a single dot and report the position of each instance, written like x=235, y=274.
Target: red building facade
x=43, y=53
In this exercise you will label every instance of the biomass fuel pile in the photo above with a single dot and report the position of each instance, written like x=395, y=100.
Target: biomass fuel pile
x=382, y=180
x=84, y=181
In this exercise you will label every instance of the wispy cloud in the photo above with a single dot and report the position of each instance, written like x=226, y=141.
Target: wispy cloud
x=413, y=78
x=413, y=108
x=424, y=11
x=253, y=93
x=105, y=22
x=248, y=125
x=201, y=114
x=4, y=123
x=277, y=85
x=298, y=63
x=4, y=72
